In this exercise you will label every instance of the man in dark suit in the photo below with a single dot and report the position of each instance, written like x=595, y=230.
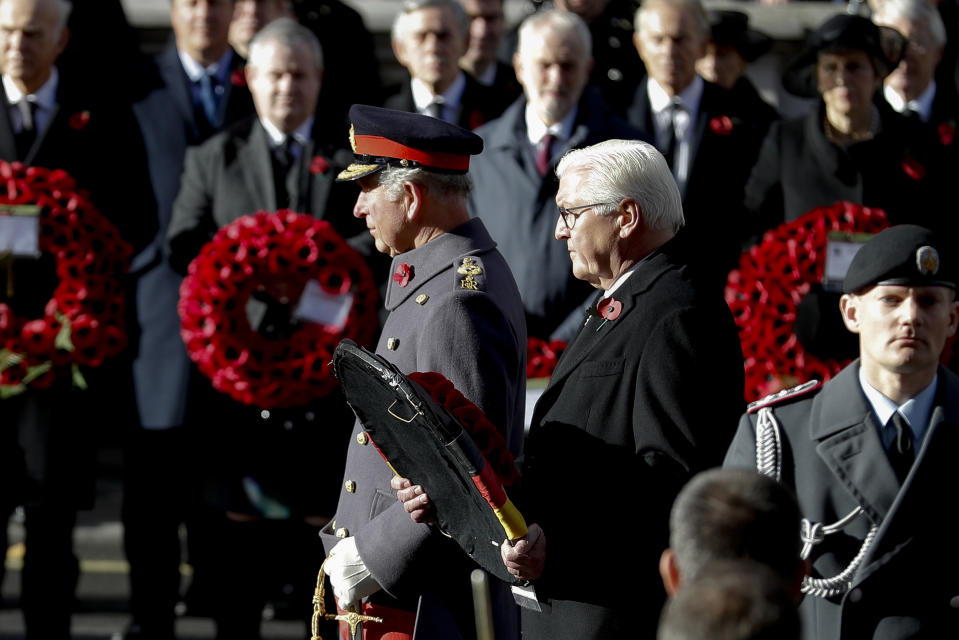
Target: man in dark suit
x=708, y=144
x=487, y=22
x=429, y=37
x=49, y=119
x=912, y=88
x=172, y=113
x=871, y=453
x=514, y=178
x=645, y=396
x=278, y=159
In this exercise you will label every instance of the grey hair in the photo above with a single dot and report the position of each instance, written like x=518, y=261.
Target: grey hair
x=443, y=185
x=919, y=11
x=289, y=32
x=629, y=169
x=702, y=22
x=64, y=8
x=409, y=6
x=560, y=21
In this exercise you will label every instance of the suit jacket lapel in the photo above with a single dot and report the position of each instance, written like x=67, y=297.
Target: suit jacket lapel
x=8, y=145
x=595, y=331
x=319, y=183
x=848, y=444
x=257, y=162
x=177, y=83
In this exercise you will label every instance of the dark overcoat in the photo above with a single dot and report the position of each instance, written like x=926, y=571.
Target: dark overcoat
x=799, y=169
x=634, y=408
x=477, y=339
x=518, y=207
x=908, y=583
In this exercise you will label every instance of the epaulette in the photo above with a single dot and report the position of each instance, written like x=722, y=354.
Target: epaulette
x=469, y=273
x=786, y=394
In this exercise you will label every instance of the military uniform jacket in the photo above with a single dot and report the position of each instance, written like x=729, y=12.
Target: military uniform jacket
x=477, y=339
x=518, y=206
x=634, y=408
x=908, y=583
x=800, y=169
x=231, y=175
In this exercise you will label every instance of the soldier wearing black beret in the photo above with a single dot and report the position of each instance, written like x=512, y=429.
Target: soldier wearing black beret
x=453, y=308
x=870, y=453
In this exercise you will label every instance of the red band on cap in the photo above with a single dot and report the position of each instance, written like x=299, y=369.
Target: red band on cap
x=380, y=146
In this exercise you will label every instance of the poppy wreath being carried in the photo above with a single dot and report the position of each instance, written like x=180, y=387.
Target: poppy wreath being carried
x=83, y=322
x=276, y=254
x=771, y=281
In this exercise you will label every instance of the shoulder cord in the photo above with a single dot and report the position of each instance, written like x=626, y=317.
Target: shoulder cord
x=769, y=463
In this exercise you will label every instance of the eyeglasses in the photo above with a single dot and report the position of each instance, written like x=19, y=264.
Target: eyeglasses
x=569, y=218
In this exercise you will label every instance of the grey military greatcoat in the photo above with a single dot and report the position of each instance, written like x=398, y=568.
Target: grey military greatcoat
x=908, y=582
x=477, y=339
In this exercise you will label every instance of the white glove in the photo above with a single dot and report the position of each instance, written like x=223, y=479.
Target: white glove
x=350, y=578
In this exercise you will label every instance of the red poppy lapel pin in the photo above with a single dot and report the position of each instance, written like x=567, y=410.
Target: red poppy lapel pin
x=947, y=132
x=319, y=164
x=238, y=78
x=721, y=125
x=913, y=169
x=403, y=274
x=79, y=120
x=608, y=309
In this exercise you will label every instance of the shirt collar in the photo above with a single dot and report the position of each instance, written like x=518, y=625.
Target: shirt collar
x=623, y=278
x=690, y=96
x=194, y=70
x=301, y=134
x=45, y=97
x=422, y=96
x=536, y=128
x=916, y=410
x=921, y=105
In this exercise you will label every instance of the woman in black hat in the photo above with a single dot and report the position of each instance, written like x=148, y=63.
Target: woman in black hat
x=732, y=47
x=851, y=147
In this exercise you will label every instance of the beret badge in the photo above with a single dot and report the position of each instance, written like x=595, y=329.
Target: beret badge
x=927, y=260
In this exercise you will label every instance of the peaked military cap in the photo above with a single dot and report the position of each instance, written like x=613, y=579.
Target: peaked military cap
x=907, y=255
x=383, y=137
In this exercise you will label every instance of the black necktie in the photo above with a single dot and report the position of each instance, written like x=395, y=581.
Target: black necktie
x=669, y=145
x=28, y=132
x=284, y=159
x=901, y=453
x=435, y=109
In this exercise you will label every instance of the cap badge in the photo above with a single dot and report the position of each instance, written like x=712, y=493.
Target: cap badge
x=927, y=260
x=469, y=268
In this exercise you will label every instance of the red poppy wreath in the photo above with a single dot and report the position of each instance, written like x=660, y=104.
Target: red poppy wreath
x=772, y=279
x=277, y=254
x=83, y=322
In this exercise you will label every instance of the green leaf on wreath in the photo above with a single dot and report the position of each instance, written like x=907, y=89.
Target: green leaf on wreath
x=10, y=390
x=9, y=358
x=36, y=371
x=63, y=341
x=78, y=380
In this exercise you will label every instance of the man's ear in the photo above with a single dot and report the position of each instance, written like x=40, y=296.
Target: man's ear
x=63, y=40
x=849, y=308
x=630, y=218
x=415, y=195
x=669, y=572
x=399, y=50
